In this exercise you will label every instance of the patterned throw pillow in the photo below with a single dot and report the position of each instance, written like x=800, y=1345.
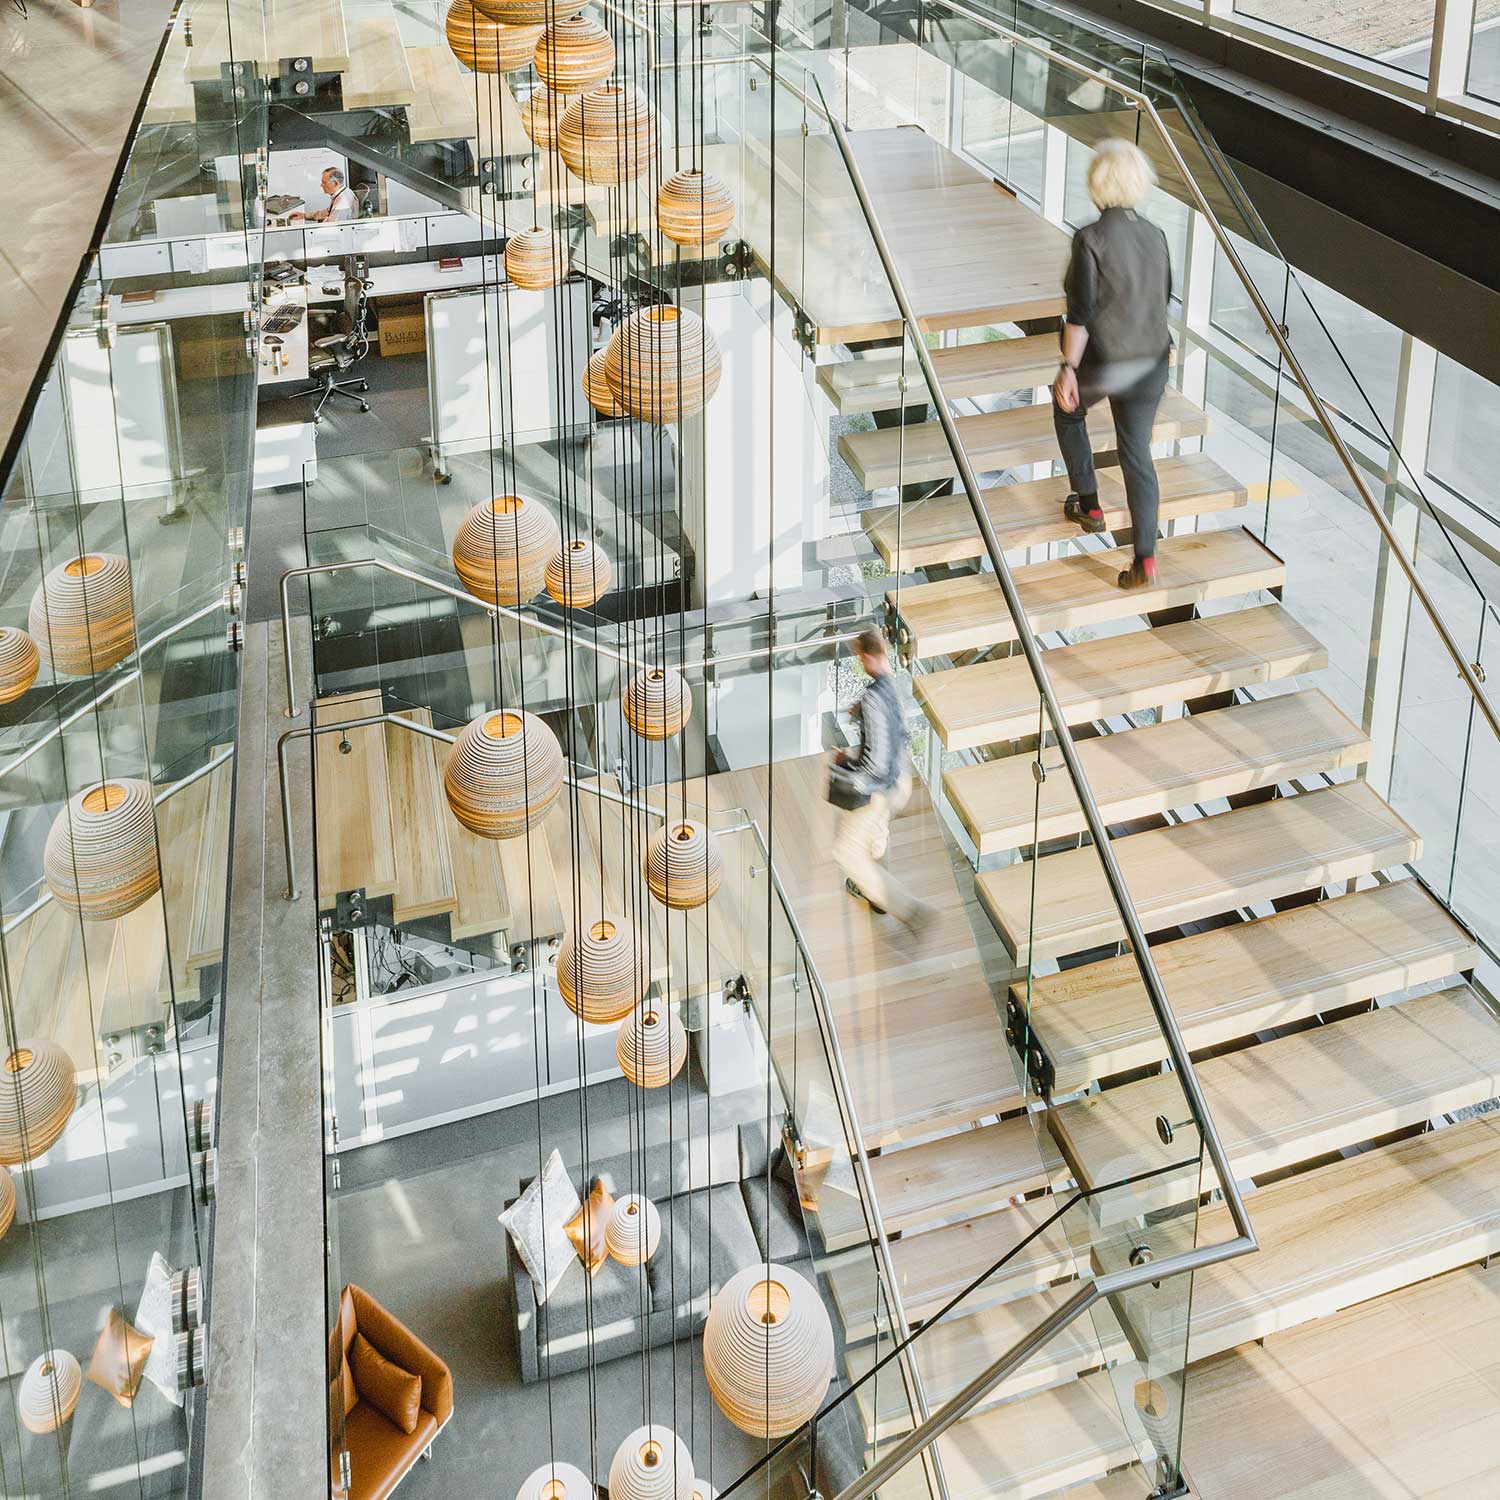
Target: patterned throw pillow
x=537, y=1220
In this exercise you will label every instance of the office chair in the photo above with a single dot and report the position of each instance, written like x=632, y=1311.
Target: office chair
x=332, y=356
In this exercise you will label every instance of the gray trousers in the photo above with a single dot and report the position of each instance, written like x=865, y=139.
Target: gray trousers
x=1134, y=411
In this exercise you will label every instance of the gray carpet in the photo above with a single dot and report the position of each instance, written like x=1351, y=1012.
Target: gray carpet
x=415, y=1226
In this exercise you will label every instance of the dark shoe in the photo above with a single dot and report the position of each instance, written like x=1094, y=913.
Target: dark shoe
x=859, y=895
x=1091, y=521
x=1141, y=574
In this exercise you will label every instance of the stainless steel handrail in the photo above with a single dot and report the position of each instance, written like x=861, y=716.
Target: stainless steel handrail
x=499, y=611
x=1144, y=103
x=911, y=1375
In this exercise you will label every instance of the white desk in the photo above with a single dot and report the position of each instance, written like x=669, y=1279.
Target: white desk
x=283, y=356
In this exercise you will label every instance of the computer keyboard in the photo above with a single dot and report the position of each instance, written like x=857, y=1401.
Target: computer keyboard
x=285, y=316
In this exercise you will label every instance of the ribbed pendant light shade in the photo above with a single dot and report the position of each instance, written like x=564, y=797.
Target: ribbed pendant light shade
x=503, y=772
x=523, y=12
x=663, y=363
x=556, y=1482
x=599, y=970
x=596, y=387
x=768, y=1350
x=702, y=1490
x=694, y=208
x=19, y=661
x=608, y=135
x=49, y=1391
x=653, y=1463
x=100, y=856
x=683, y=866
x=574, y=54
x=633, y=1231
x=580, y=574
x=536, y=258
x=479, y=41
x=503, y=547
x=657, y=702
x=38, y=1089
x=540, y=115
x=82, y=619
x=652, y=1046
x=7, y=1202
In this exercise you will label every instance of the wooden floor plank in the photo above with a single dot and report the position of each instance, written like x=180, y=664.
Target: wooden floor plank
x=941, y=529
x=994, y=440
x=1094, y=1020
x=1291, y=1099
x=992, y=701
x=968, y=613
x=1140, y=772
x=425, y=884
x=1189, y=871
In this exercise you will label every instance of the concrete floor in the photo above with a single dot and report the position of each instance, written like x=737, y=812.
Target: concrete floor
x=70, y=79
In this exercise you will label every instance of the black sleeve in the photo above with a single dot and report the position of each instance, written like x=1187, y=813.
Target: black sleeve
x=1166, y=251
x=1080, y=284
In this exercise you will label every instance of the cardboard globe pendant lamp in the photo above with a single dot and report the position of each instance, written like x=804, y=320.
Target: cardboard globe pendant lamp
x=38, y=1090
x=574, y=54
x=503, y=772
x=515, y=46
x=556, y=1482
x=526, y=12
x=502, y=549
x=694, y=207
x=768, y=1350
x=536, y=258
x=599, y=971
x=481, y=43
x=540, y=114
x=663, y=363
x=49, y=1391
x=608, y=135
x=633, y=1231
x=653, y=1463
x=599, y=393
x=100, y=858
x=19, y=662
x=7, y=1202
x=657, y=702
x=82, y=618
x=652, y=1045
x=580, y=574
x=683, y=866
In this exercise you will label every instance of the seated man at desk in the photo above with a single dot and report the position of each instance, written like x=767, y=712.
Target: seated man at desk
x=342, y=204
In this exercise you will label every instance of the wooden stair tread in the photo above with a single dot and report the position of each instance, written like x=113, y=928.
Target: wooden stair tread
x=1342, y=1234
x=934, y=1266
x=1033, y=1447
x=942, y=529
x=1291, y=1099
x=181, y=823
x=211, y=878
x=378, y=75
x=271, y=29
x=995, y=440
x=992, y=701
x=445, y=106
x=425, y=882
x=985, y=369
x=950, y=1353
x=1188, y=871
x=966, y=613
x=1094, y=1020
x=1140, y=772
x=352, y=802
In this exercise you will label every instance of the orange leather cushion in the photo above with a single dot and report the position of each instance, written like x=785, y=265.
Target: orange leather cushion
x=119, y=1358
x=585, y=1230
x=379, y=1453
x=392, y=1391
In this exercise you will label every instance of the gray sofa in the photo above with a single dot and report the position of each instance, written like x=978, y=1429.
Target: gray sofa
x=716, y=1217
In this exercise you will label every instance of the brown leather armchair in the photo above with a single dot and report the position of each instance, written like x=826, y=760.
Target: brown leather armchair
x=380, y=1453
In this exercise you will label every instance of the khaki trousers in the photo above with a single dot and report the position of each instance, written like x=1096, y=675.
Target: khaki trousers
x=860, y=842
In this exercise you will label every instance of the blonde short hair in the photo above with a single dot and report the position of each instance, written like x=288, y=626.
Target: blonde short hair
x=1119, y=175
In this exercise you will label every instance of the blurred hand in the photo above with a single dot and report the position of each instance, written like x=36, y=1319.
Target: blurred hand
x=1065, y=389
x=838, y=757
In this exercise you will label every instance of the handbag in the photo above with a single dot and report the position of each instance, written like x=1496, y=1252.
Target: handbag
x=843, y=793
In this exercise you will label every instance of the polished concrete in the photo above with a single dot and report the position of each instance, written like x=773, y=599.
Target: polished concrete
x=70, y=80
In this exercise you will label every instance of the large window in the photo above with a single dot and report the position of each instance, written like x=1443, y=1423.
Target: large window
x=1395, y=32
x=1484, y=51
x=1463, y=447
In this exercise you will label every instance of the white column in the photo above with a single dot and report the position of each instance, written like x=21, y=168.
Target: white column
x=1452, y=35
